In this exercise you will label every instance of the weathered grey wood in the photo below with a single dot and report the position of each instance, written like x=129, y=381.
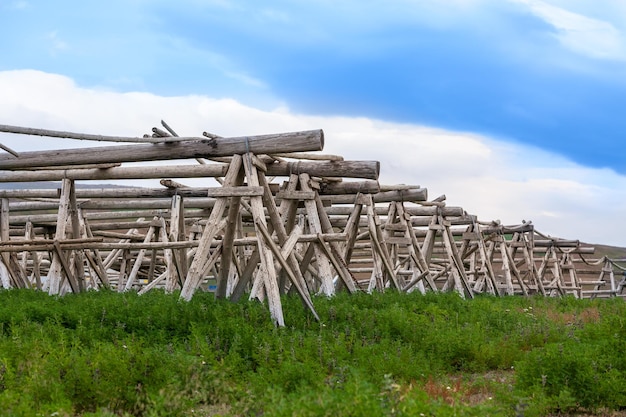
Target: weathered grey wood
x=333, y=254
x=323, y=263
x=417, y=211
x=383, y=197
x=131, y=192
x=10, y=274
x=312, y=140
x=143, y=172
x=54, y=273
x=194, y=275
x=242, y=191
x=415, y=251
x=309, y=156
x=275, y=220
x=229, y=235
x=352, y=230
x=267, y=273
x=93, y=257
x=345, y=169
x=378, y=248
x=349, y=187
x=71, y=135
x=139, y=258
x=67, y=267
x=282, y=259
x=30, y=234
x=9, y=150
x=178, y=269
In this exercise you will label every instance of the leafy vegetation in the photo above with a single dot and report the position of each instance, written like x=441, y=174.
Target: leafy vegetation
x=107, y=354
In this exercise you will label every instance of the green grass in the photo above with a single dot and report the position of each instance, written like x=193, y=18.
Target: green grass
x=105, y=354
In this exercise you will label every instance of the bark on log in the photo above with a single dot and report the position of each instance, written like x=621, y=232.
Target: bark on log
x=346, y=169
x=312, y=140
x=350, y=187
x=420, y=194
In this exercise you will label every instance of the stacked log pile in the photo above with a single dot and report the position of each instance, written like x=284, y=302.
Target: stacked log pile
x=282, y=218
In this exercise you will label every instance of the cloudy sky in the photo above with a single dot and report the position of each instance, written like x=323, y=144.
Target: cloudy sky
x=511, y=108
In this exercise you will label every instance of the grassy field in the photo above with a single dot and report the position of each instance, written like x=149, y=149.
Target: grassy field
x=106, y=354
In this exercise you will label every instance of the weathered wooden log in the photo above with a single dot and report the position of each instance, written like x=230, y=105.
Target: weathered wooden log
x=346, y=169
x=420, y=194
x=309, y=156
x=357, y=169
x=121, y=173
x=130, y=192
x=312, y=140
x=349, y=187
x=110, y=204
x=71, y=135
x=539, y=243
x=413, y=211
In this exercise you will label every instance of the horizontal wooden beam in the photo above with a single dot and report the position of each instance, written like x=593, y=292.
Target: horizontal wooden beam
x=345, y=169
x=311, y=140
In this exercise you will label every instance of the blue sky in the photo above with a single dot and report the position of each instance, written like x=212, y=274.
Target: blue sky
x=536, y=87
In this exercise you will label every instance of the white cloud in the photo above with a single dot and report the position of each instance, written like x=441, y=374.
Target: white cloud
x=56, y=44
x=20, y=5
x=490, y=178
x=585, y=35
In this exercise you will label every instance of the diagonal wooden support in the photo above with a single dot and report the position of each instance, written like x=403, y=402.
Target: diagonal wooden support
x=352, y=228
x=378, y=248
x=36, y=274
x=285, y=240
x=139, y=258
x=458, y=270
x=334, y=254
x=15, y=275
x=194, y=275
x=304, y=296
x=324, y=267
x=415, y=251
x=267, y=273
x=93, y=256
x=486, y=266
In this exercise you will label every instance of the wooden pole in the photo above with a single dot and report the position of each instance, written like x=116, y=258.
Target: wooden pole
x=312, y=140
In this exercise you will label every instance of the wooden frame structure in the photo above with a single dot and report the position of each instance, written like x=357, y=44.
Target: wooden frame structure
x=283, y=219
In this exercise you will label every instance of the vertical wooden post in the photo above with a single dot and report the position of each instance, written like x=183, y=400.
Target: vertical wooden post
x=55, y=277
x=177, y=271
x=78, y=269
x=227, y=241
